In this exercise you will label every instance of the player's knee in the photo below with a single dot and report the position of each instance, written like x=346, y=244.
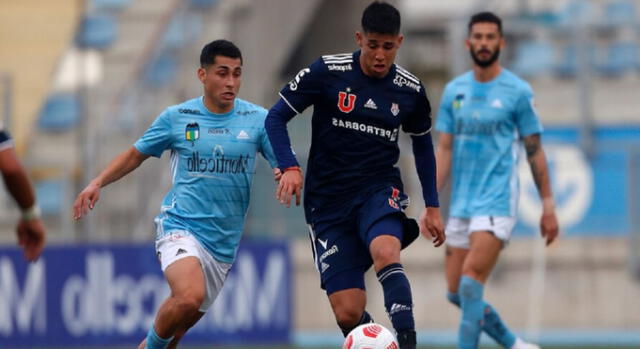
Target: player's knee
x=348, y=317
x=474, y=272
x=189, y=304
x=385, y=255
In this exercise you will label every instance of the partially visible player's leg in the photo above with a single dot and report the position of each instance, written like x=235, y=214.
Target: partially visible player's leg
x=385, y=244
x=182, y=330
x=348, y=307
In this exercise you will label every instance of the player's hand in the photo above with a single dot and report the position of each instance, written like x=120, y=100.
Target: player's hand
x=431, y=225
x=277, y=174
x=86, y=200
x=31, y=236
x=549, y=226
x=290, y=184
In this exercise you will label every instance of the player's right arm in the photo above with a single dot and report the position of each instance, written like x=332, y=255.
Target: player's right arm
x=124, y=163
x=154, y=141
x=295, y=97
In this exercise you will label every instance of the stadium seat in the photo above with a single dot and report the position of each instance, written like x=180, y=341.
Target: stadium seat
x=96, y=31
x=202, y=4
x=621, y=12
x=567, y=65
x=161, y=71
x=61, y=112
x=182, y=30
x=110, y=5
x=533, y=58
x=572, y=12
x=621, y=57
x=50, y=193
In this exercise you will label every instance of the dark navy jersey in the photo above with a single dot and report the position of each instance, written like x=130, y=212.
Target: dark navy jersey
x=355, y=124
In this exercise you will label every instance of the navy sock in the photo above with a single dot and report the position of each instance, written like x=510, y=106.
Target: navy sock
x=155, y=342
x=397, y=297
x=472, y=313
x=492, y=325
x=365, y=319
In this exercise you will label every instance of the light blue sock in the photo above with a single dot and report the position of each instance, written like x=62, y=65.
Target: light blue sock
x=155, y=342
x=493, y=325
x=472, y=313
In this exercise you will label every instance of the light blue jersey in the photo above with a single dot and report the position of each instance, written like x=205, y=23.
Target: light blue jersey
x=487, y=121
x=212, y=165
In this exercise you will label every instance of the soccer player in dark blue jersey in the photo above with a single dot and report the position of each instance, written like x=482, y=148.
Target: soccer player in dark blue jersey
x=354, y=197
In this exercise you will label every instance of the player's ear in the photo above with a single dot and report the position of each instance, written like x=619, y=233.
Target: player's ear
x=359, y=38
x=467, y=44
x=202, y=74
x=400, y=38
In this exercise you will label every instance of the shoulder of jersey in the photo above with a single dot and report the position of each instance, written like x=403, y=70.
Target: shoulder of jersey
x=512, y=80
x=190, y=107
x=246, y=108
x=340, y=62
x=405, y=79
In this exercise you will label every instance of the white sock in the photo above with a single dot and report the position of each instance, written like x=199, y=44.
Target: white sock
x=519, y=344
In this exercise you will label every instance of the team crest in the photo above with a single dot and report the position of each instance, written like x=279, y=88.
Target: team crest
x=346, y=101
x=192, y=132
x=395, y=196
x=395, y=109
x=458, y=101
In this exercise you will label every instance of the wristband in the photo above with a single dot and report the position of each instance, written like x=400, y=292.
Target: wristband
x=31, y=213
x=292, y=168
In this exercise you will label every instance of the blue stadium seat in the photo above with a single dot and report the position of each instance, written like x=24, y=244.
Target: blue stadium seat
x=572, y=12
x=202, y=4
x=96, y=31
x=621, y=12
x=621, y=57
x=567, y=65
x=50, y=194
x=533, y=58
x=182, y=30
x=61, y=112
x=161, y=71
x=110, y=5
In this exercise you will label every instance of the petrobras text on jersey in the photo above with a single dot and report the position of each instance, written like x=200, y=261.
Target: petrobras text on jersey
x=402, y=81
x=391, y=135
x=218, y=164
x=108, y=295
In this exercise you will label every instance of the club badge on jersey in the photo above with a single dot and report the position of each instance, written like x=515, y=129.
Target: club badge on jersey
x=395, y=109
x=346, y=101
x=192, y=132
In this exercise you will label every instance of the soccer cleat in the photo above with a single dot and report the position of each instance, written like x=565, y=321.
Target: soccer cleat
x=407, y=339
x=520, y=344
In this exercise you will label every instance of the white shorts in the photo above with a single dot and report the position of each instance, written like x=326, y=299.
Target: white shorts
x=459, y=229
x=180, y=244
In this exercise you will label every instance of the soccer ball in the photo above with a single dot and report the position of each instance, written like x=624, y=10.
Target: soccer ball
x=370, y=336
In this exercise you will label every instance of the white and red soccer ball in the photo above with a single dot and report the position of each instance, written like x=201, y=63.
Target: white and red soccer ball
x=370, y=336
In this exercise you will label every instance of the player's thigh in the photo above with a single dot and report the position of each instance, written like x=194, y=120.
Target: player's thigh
x=385, y=241
x=483, y=254
x=180, y=260
x=453, y=261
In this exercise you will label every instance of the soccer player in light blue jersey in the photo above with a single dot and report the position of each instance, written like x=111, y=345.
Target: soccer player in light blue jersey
x=213, y=141
x=483, y=115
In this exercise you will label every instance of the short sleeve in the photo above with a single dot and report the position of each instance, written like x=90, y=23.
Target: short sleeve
x=444, y=122
x=303, y=89
x=419, y=121
x=157, y=138
x=526, y=116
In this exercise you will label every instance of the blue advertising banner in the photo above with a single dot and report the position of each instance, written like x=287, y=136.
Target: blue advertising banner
x=108, y=295
x=593, y=194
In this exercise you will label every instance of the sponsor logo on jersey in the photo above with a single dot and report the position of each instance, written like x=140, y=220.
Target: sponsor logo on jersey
x=497, y=103
x=340, y=67
x=401, y=81
x=329, y=252
x=293, y=84
x=218, y=163
x=346, y=101
x=189, y=111
x=192, y=132
x=391, y=135
x=243, y=135
x=219, y=131
x=395, y=109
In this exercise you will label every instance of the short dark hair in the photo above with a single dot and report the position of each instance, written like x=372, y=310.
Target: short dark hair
x=485, y=17
x=382, y=18
x=218, y=48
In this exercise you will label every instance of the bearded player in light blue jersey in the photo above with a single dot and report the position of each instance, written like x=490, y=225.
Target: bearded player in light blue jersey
x=213, y=141
x=483, y=115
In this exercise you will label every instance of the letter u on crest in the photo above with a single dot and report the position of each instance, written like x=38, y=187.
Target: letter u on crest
x=346, y=102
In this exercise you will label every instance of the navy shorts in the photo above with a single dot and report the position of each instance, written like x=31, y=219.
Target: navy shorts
x=340, y=242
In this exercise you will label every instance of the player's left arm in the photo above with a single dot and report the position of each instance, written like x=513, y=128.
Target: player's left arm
x=540, y=172
x=530, y=128
x=418, y=126
x=266, y=150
